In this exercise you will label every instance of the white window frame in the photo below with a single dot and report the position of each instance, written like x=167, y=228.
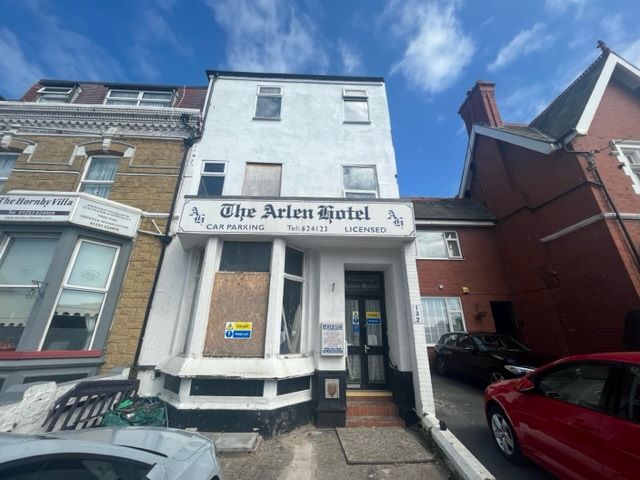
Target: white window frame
x=84, y=181
x=346, y=191
x=445, y=240
x=212, y=174
x=65, y=286
x=448, y=312
x=627, y=149
x=356, y=95
x=3, y=180
x=64, y=93
x=295, y=278
x=260, y=94
x=139, y=98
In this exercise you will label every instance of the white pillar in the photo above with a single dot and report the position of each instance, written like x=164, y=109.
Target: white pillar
x=276, y=292
x=417, y=339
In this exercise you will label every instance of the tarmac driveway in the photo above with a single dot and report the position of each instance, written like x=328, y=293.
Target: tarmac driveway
x=459, y=405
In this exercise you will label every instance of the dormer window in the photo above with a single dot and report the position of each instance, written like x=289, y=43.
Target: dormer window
x=54, y=94
x=141, y=98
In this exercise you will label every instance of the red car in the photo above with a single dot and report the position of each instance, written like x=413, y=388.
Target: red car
x=578, y=417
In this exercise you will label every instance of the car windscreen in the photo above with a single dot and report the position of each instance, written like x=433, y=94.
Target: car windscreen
x=500, y=342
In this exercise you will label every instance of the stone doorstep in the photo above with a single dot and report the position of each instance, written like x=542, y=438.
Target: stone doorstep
x=234, y=442
x=375, y=421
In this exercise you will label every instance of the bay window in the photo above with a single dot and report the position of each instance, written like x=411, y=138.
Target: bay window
x=291, y=324
x=24, y=263
x=82, y=294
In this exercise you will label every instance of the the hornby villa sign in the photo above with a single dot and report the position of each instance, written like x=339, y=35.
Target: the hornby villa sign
x=297, y=217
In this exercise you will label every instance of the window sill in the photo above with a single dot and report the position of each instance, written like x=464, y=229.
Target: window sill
x=355, y=122
x=451, y=259
x=268, y=119
x=49, y=354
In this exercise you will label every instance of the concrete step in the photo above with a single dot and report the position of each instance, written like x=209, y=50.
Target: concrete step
x=375, y=421
x=371, y=408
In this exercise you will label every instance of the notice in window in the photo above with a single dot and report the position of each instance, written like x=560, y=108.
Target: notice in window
x=332, y=339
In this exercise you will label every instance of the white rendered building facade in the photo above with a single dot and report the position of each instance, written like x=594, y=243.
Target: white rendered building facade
x=292, y=279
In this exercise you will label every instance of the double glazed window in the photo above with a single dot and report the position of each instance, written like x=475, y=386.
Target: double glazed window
x=81, y=298
x=99, y=175
x=142, y=98
x=53, y=291
x=442, y=315
x=54, y=94
x=438, y=245
x=360, y=182
x=292, y=301
x=24, y=263
x=212, y=179
x=7, y=162
x=356, y=106
x=268, y=103
x=632, y=156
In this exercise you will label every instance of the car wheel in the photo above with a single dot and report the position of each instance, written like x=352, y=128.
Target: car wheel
x=504, y=435
x=441, y=366
x=495, y=376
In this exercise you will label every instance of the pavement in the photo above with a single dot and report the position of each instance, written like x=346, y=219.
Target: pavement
x=309, y=453
x=460, y=405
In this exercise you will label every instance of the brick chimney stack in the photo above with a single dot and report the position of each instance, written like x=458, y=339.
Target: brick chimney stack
x=480, y=106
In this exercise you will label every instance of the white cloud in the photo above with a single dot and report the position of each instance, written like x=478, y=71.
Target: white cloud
x=16, y=72
x=558, y=7
x=437, y=48
x=351, y=61
x=526, y=41
x=268, y=35
x=523, y=104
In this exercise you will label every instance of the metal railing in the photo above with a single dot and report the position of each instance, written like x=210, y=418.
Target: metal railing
x=85, y=405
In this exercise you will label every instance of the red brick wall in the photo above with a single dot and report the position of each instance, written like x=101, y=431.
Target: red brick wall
x=480, y=271
x=570, y=294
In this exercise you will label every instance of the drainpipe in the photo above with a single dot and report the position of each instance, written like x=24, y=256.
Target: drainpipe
x=591, y=164
x=166, y=238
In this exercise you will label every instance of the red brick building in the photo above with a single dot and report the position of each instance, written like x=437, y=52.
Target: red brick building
x=558, y=235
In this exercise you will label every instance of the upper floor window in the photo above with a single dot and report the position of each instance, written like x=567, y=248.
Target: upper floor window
x=7, y=162
x=438, y=245
x=360, y=182
x=99, y=175
x=262, y=180
x=212, y=179
x=356, y=106
x=269, y=103
x=142, y=98
x=54, y=94
x=632, y=155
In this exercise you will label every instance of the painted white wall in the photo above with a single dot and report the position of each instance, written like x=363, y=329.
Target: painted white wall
x=311, y=140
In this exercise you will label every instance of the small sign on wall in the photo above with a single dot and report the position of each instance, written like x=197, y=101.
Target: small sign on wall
x=417, y=313
x=374, y=318
x=238, y=330
x=332, y=339
x=331, y=388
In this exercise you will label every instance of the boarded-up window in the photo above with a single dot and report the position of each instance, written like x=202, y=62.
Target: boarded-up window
x=262, y=180
x=240, y=300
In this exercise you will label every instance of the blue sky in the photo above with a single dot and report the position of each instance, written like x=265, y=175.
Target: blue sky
x=430, y=53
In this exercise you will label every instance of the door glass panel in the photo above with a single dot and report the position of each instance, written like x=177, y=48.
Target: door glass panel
x=376, y=368
x=92, y=265
x=354, y=369
x=74, y=320
x=374, y=322
x=352, y=321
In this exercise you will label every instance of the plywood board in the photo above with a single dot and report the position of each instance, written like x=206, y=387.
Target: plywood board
x=237, y=297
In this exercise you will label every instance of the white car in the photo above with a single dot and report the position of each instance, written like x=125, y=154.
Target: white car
x=130, y=453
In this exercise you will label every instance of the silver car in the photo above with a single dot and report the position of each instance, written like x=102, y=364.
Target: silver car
x=153, y=453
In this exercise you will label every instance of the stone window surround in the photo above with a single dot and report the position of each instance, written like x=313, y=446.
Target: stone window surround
x=44, y=305
x=618, y=148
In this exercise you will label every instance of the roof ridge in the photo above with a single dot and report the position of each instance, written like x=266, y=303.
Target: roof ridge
x=593, y=65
